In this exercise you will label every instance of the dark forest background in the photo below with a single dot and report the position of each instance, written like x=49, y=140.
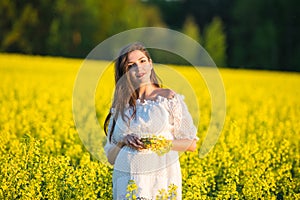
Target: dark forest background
x=260, y=34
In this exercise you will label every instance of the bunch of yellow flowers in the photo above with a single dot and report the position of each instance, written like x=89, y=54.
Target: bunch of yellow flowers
x=158, y=144
x=131, y=190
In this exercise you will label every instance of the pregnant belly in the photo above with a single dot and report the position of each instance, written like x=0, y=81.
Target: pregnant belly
x=141, y=162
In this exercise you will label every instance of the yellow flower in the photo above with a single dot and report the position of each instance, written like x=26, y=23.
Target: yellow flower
x=158, y=144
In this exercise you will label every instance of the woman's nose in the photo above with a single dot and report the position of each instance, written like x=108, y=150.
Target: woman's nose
x=138, y=66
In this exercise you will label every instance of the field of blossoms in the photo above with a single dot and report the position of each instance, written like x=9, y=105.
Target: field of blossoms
x=257, y=155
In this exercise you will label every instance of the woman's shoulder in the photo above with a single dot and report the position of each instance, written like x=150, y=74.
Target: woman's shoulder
x=166, y=93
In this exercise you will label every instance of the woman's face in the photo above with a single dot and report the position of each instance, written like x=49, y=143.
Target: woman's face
x=139, y=67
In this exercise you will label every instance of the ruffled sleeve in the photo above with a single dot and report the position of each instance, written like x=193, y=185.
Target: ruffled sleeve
x=181, y=119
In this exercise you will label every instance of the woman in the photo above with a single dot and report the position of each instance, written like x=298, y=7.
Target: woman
x=141, y=108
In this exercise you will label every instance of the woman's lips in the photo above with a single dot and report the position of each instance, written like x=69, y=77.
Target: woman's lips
x=140, y=75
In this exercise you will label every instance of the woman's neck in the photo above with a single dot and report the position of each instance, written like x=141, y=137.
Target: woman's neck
x=146, y=91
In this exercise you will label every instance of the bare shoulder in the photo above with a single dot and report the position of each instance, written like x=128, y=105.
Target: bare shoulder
x=167, y=93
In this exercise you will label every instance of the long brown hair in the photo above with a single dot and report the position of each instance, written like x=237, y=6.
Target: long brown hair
x=125, y=93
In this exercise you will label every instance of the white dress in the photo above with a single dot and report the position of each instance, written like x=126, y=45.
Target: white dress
x=150, y=172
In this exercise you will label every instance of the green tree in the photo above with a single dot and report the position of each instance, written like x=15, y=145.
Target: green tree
x=72, y=29
x=16, y=26
x=68, y=28
x=264, y=34
x=215, y=41
x=191, y=29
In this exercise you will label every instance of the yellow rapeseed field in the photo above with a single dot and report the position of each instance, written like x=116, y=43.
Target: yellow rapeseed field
x=42, y=156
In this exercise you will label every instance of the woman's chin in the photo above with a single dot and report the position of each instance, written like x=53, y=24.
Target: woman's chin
x=142, y=81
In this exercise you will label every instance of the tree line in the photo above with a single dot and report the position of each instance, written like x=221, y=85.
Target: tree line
x=236, y=33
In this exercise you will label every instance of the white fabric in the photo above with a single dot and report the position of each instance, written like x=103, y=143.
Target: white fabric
x=167, y=117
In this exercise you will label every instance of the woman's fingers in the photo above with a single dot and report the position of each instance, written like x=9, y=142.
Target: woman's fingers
x=128, y=140
x=139, y=143
x=134, y=142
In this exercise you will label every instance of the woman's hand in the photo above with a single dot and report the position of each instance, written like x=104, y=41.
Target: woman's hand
x=133, y=141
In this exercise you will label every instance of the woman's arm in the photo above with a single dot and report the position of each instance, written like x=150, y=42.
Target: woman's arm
x=130, y=140
x=113, y=152
x=184, y=145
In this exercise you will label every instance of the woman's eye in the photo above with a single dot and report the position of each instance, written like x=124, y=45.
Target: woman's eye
x=142, y=61
x=130, y=66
